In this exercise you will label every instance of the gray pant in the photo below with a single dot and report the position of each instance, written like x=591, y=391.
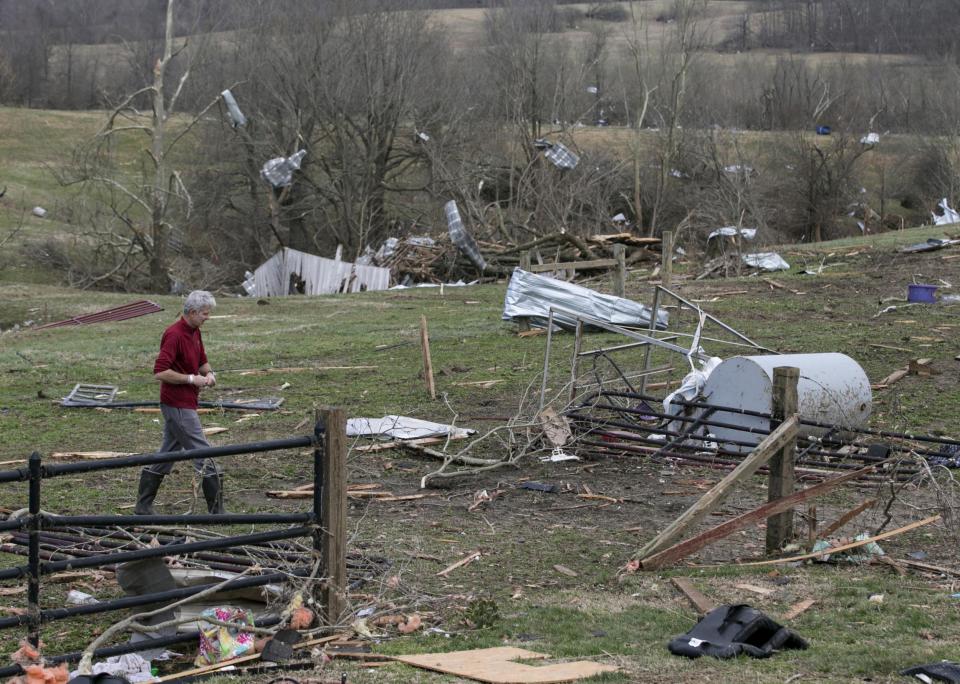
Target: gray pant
x=182, y=430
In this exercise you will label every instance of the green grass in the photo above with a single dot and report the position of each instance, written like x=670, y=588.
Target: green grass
x=521, y=534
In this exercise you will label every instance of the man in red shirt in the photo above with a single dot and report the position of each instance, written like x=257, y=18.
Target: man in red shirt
x=183, y=370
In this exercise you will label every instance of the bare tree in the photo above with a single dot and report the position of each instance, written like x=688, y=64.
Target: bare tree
x=147, y=209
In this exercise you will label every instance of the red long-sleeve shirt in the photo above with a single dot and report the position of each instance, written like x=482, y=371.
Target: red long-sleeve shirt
x=181, y=349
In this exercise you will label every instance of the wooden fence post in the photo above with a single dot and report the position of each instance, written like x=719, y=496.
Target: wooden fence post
x=427, y=360
x=333, y=522
x=666, y=258
x=782, y=477
x=523, y=324
x=620, y=271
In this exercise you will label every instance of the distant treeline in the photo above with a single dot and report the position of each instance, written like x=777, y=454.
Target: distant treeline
x=920, y=27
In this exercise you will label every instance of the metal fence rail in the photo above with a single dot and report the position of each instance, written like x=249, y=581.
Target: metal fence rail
x=35, y=522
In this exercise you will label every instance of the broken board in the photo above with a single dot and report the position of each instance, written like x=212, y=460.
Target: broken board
x=497, y=666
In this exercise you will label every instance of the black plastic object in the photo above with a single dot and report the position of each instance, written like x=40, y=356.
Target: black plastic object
x=943, y=671
x=102, y=678
x=539, y=487
x=728, y=631
x=280, y=647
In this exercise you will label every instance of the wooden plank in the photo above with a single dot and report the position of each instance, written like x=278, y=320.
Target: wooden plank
x=781, y=478
x=427, y=361
x=469, y=558
x=846, y=547
x=845, y=518
x=333, y=521
x=495, y=666
x=685, y=548
x=797, y=609
x=666, y=258
x=90, y=455
x=560, y=266
x=716, y=496
x=927, y=567
x=620, y=272
x=702, y=604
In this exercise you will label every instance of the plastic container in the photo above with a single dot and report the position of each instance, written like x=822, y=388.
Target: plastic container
x=923, y=294
x=832, y=389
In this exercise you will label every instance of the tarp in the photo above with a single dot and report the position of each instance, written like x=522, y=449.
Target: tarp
x=318, y=275
x=531, y=296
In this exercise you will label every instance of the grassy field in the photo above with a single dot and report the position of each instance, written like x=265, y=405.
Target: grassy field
x=361, y=352
x=522, y=535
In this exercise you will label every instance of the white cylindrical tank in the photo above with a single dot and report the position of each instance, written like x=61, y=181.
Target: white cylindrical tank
x=832, y=389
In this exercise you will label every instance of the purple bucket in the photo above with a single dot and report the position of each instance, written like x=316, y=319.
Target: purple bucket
x=921, y=294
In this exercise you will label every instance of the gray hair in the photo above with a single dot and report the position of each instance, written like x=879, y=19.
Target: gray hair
x=197, y=300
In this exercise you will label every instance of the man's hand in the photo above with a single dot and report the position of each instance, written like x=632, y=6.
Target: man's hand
x=211, y=379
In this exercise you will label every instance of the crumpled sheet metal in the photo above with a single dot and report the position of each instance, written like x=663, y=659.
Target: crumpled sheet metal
x=766, y=261
x=402, y=427
x=461, y=238
x=320, y=275
x=531, y=296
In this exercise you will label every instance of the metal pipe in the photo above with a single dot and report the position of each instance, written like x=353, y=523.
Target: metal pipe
x=699, y=438
x=33, y=559
x=201, y=519
x=716, y=320
x=652, y=330
x=811, y=423
x=174, y=456
x=54, y=614
x=546, y=359
x=171, y=550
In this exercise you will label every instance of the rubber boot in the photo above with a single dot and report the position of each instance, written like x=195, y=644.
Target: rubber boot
x=213, y=492
x=149, y=486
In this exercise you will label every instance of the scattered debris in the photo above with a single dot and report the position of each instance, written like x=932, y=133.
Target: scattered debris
x=870, y=139
x=495, y=666
x=469, y=558
x=461, y=238
x=90, y=394
x=556, y=428
x=219, y=643
x=539, y=487
x=728, y=631
x=279, y=170
x=798, y=609
x=921, y=294
x=766, y=261
x=754, y=589
x=564, y=570
x=867, y=551
x=947, y=215
x=237, y=119
x=561, y=157
x=700, y=602
x=39, y=212
x=931, y=245
x=530, y=296
x=733, y=231
x=132, y=667
x=403, y=427
x=141, y=307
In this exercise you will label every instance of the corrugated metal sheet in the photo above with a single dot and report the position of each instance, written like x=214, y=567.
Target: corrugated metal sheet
x=140, y=307
x=316, y=275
